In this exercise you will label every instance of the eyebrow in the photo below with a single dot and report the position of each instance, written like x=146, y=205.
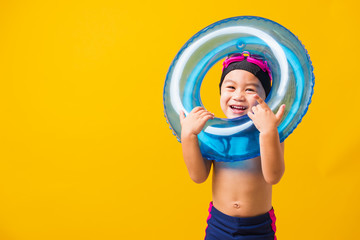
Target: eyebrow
x=229, y=80
x=254, y=84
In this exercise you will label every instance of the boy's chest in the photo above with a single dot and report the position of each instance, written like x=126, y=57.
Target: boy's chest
x=250, y=166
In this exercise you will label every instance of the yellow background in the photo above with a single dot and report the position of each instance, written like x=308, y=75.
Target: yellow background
x=86, y=153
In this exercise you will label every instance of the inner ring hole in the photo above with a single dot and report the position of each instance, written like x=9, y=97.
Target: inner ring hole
x=210, y=92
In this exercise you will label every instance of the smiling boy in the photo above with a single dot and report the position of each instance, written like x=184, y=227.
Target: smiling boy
x=241, y=206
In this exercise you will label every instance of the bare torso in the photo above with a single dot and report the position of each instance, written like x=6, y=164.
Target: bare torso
x=239, y=188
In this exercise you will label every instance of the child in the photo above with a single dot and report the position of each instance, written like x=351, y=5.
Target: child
x=241, y=205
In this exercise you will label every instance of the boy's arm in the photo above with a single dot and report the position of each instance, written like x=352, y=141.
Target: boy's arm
x=272, y=156
x=271, y=150
x=191, y=126
x=198, y=167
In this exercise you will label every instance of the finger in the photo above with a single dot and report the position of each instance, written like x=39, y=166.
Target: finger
x=280, y=112
x=251, y=115
x=206, y=118
x=196, y=109
x=182, y=115
x=254, y=109
x=206, y=113
x=209, y=114
x=200, y=113
x=261, y=102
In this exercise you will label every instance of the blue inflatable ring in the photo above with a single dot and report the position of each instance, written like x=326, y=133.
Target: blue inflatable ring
x=293, y=82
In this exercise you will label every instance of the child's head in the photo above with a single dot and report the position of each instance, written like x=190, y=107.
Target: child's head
x=243, y=76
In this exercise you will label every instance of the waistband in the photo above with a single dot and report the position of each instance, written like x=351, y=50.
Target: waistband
x=242, y=220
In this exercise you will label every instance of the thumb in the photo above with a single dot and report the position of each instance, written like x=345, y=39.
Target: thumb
x=182, y=116
x=280, y=113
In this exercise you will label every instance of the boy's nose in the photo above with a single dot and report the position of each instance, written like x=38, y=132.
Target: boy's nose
x=238, y=96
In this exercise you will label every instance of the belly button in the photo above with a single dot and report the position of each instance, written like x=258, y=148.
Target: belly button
x=236, y=205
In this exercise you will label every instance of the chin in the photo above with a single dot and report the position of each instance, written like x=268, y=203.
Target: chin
x=230, y=114
x=235, y=115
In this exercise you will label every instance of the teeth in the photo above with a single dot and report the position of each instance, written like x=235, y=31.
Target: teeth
x=238, y=107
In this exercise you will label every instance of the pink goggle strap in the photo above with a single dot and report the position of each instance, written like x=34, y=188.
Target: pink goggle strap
x=263, y=65
x=231, y=60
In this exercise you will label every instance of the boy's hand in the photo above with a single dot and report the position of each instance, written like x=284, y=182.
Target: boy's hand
x=262, y=116
x=195, y=121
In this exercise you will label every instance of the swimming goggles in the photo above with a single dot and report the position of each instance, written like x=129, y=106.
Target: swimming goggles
x=255, y=59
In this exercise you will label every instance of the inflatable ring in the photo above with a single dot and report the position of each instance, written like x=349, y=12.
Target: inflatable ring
x=293, y=82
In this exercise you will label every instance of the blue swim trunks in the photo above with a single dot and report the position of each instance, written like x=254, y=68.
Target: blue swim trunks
x=224, y=227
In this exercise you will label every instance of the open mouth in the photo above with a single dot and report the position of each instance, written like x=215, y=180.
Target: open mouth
x=239, y=108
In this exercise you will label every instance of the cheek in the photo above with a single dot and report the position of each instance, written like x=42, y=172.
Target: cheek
x=223, y=100
x=252, y=101
x=262, y=93
x=225, y=97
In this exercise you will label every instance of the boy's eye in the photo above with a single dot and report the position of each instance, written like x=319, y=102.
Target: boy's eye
x=249, y=89
x=231, y=87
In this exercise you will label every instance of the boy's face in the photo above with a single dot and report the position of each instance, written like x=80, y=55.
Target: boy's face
x=237, y=93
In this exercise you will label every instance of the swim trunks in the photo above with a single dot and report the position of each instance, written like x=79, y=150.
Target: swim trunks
x=224, y=227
